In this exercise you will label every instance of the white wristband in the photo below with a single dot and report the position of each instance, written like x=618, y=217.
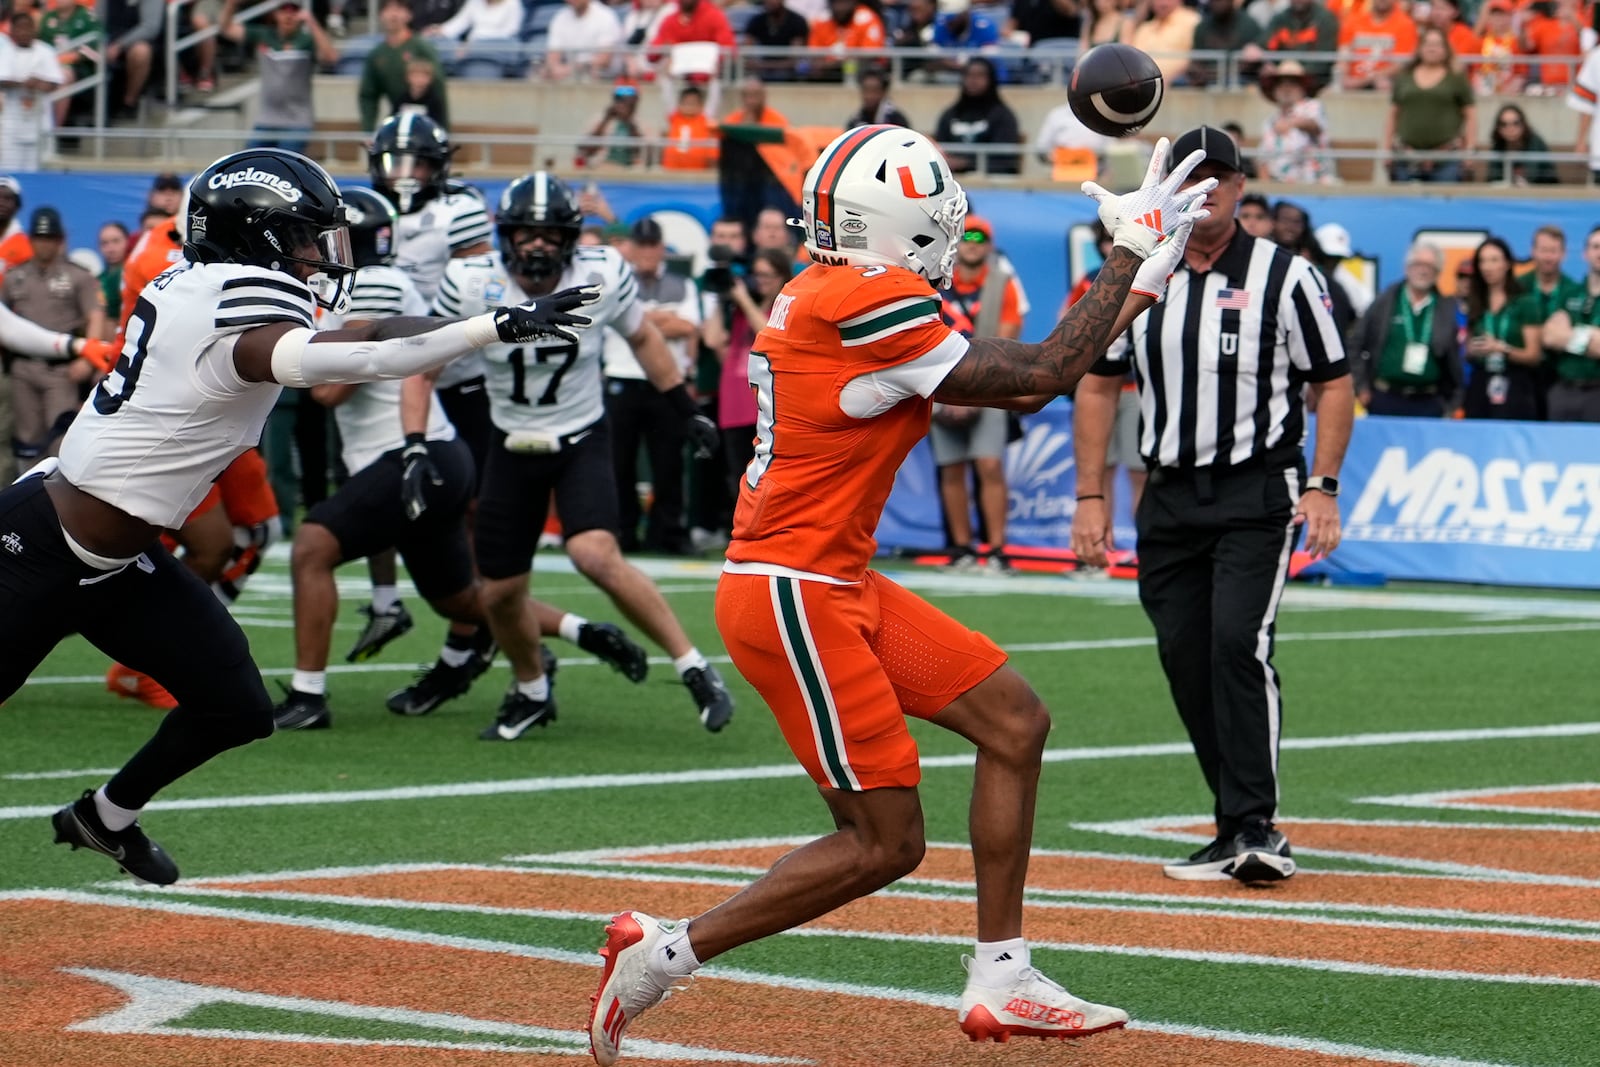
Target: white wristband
x=481, y=330
x=1578, y=343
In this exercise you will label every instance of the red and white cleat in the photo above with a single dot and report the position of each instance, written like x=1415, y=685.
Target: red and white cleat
x=628, y=985
x=1032, y=1006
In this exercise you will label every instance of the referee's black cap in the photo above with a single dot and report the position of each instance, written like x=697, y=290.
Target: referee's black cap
x=1219, y=147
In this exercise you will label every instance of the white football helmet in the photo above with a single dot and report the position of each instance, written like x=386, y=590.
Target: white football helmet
x=884, y=195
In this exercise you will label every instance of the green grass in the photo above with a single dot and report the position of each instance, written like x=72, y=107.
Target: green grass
x=1099, y=697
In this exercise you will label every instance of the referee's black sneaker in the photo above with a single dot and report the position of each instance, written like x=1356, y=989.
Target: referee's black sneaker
x=1213, y=863
x=711, y=696
x=78, y=824
x=1261, y=854
x=381, y=628
x=518, y=715
x=607, y=641
x=302, y=711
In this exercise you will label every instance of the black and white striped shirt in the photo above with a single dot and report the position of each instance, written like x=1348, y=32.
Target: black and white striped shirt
x=1222, y=360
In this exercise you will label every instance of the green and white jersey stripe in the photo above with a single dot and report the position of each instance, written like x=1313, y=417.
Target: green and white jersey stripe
x=906, y=314
x=826, y=729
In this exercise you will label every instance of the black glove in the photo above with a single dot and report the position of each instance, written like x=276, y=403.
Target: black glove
x=418, y=475
x=546, y=317
x=702, y=431
x=703, y=436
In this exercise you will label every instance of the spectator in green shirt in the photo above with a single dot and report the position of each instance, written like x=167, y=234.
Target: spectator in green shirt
x=113, y=251
x=383, y=77
x=1573, y=331
x=1544, y=292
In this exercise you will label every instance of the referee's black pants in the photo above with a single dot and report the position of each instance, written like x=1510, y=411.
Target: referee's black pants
x=637, y=411
x=1214, y=551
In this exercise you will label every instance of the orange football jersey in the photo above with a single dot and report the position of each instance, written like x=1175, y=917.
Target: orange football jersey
x=157, y=249
x=812, y=497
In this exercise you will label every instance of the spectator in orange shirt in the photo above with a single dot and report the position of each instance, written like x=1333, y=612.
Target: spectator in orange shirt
x=688, y=123
x=1552, y=30
x=1378, y=29
x=847, y=26
x=1446, y=15
x=1499, y=41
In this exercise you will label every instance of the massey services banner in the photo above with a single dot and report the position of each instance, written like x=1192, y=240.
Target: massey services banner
x=1513, y=503
x=1509, y=503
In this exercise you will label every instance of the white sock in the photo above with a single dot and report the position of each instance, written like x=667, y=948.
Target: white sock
x=674, y=957
x=454, y=657
x=538, y=689
x=570, y=625
x=995, y=964
x=309, y=682
x=384, y=598
x=689, y=661
x=114, y=817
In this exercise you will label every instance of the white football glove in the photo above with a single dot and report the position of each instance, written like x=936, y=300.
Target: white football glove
x=1155, y=272
x=1139, y=220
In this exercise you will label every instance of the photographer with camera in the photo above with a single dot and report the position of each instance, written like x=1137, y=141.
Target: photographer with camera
x=748, y=301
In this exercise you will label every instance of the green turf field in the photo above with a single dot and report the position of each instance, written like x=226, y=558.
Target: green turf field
x=420, y=896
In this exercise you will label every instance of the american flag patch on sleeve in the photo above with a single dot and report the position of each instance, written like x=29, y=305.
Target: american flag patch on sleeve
x=1233, y=299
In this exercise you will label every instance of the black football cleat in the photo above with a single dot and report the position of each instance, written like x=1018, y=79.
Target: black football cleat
x=608, y=642
x=302, y=711
x=711, y=696
x=518, y=715
x=78, y=824
x=439, y=683
x=381, y=628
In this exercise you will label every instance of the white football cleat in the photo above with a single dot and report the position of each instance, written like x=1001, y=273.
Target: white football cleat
x=1032, y=1006
x=627, y=986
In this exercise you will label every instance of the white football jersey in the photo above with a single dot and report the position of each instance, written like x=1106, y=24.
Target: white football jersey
x=426, y=239
x=549, y=386
x=173, y=413
x=369, y=421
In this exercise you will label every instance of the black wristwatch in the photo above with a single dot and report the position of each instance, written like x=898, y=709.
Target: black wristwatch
x=1323, y=484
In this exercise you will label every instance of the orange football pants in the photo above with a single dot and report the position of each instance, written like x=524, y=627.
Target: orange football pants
x=841, y=666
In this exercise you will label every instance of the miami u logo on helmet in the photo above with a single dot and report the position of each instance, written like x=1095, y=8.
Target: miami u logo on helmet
x=908, y=184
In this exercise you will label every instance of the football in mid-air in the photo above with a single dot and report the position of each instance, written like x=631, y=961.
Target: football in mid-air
x=1115, y=89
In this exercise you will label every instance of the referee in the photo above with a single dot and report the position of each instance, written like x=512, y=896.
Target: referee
x=1221, y=365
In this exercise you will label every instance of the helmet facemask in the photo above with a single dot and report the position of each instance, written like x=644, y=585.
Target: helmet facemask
x=334, y=264
x=395, y=175
x=539, y=263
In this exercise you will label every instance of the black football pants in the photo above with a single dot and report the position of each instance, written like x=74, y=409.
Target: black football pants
x=1214, y=551
x=154, y=615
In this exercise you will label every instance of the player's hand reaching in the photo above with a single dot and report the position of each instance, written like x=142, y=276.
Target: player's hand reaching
x=1138, y=221
x=1155, y=272
x=419, y=473
x=704, y=437
x=549, y=316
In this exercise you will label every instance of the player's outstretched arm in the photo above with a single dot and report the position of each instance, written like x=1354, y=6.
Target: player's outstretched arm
x=399, y=347
x=995, y=370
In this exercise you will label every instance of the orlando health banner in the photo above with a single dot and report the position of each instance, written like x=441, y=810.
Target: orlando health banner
x=1508, y=503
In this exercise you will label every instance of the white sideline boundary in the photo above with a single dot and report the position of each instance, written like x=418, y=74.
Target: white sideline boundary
x=560, y=783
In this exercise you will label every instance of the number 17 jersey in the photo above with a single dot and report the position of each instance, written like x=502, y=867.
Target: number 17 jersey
x=550, y=386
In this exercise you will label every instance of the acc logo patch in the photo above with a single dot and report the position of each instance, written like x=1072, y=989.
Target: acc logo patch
x=852, y=226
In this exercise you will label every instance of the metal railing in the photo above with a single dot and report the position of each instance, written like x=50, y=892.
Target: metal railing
x=175, y=45
x=532, y=151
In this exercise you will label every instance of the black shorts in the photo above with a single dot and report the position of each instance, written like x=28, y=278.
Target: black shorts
x=367, y=516
x=154, y=615
x=466, y=405
x=515, y=498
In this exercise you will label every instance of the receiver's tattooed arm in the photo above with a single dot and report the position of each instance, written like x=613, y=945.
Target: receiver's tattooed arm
x=995, y=369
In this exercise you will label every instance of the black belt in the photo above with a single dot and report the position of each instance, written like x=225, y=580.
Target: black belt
x=1204, y=478
x=1581, y=383
x=1409, y=392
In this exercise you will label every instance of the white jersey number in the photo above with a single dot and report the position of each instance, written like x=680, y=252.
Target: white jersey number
x=130, y=363
x=568, y=354
x=760, y=373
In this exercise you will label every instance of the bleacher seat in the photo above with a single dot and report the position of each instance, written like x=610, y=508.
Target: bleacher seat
x=488, y=60
x=353, y=52
x=1054, y=56
x=536, y=20
x=740, y=16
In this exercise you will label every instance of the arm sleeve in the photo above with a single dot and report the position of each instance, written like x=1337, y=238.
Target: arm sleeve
x=28, y=338
x=301, y=360
x=369, y=93
x=877, y=391
x=1315, y=347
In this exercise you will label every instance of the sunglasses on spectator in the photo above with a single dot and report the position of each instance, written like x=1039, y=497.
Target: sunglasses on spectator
x=975, y=236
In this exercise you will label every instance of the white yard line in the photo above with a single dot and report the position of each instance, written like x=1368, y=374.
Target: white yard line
x=1093, y=645
x=1459, y=800
x=558, y=783
x=39, y=776
x=881, y=993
